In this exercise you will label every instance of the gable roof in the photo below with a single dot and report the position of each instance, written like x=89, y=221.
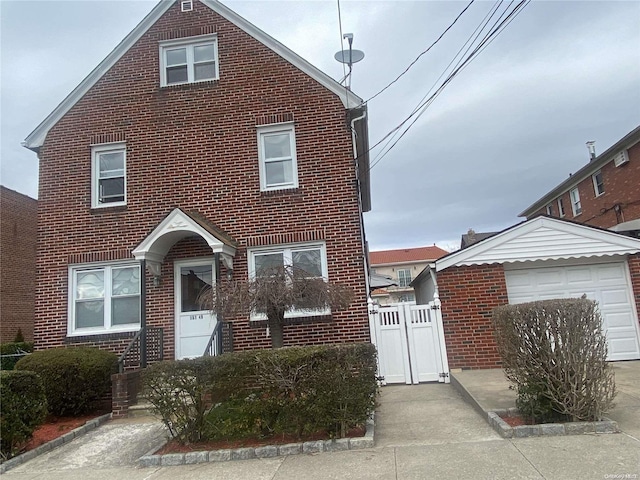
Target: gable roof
x=542, y=238
x=406, y=255
x=589, y=169
x=36, y=138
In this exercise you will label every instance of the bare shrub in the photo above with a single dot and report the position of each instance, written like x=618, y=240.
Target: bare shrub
x=554, y=351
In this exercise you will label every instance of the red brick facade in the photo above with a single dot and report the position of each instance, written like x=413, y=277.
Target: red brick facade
x=18, y=264
x=620, y=201
x=194, y=147
x=469, y=295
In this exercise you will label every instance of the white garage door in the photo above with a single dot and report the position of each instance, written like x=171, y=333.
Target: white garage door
x=606, y=283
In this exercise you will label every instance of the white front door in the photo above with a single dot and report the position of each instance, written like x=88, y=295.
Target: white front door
x=194, y=323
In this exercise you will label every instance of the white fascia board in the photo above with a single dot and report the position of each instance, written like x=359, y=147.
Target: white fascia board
x=479, y=253
x=36, y=138
x=348, y=98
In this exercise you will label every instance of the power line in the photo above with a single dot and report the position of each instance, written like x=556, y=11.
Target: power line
x=423, y=52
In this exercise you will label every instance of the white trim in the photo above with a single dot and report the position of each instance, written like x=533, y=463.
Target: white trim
x=561, y=210
x=576, y=205
x=601, y=244
x=36, y=138
x=96, y=150
x=189, y=44
x=280, y=128
x=73, y=269
x=595, y=183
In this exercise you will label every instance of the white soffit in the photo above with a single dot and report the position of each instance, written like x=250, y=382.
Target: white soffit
x=176, y=226
x=36, y=138
x=542, y=238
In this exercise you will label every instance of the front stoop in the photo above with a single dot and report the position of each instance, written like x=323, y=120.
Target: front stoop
x=47, y=447
x=267, y=451
x=547, y=429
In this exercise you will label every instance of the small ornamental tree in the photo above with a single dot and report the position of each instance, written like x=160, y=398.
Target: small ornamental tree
x=274, y=291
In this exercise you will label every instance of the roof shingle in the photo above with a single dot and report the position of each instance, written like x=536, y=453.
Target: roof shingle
x=420, y=254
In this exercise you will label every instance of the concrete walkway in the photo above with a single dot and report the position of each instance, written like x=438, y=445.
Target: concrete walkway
x=422, y=431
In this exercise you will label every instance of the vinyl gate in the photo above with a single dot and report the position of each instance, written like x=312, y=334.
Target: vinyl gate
x=410, y=343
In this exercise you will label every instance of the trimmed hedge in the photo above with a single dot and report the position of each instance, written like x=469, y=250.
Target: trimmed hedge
x=24, y=407
x=12, y=348
x=75, y=379
x=262, y=393
x=555, y=353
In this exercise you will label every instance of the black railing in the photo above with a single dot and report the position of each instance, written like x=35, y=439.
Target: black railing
x=220, y=341
x=132, y=355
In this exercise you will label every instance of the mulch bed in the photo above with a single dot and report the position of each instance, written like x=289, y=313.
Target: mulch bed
x=174, y=447
x=517, y=420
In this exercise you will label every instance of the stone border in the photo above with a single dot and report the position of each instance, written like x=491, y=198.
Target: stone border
x=47, y=447
x=267, y=451
x=505, y=430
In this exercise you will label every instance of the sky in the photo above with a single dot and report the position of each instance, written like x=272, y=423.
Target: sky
x=507, y=129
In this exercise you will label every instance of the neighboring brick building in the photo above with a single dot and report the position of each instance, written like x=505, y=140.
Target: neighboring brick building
x=199, y=148
x=18, y=229
x=604, y=193
x=401, y=265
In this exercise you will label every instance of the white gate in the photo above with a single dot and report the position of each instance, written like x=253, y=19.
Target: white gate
x=410, y=343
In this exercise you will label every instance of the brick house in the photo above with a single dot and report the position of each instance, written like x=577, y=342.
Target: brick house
x=540, y=258
x=200, y=148
x=604, y=193
x=401, y=265
x=18, y=230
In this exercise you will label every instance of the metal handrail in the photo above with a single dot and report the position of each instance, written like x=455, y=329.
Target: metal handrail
x=214, y=345
x=122, y=357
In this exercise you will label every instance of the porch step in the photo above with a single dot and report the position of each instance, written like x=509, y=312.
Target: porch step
x=142, y=409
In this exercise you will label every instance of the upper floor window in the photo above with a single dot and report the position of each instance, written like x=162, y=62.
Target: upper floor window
x=404, y=277
x=560, y=207
x=576, y=206
x=550, y=210
x=277, y=155
x=189, y=61
x=109, y=175
x=104, y=298
x=598, y=183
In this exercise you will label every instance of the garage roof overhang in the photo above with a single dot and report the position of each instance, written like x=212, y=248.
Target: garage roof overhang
x=542, y=238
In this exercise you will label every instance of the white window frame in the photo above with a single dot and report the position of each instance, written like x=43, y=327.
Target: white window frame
x=107, y=327
x=287, y=251
x=595, y=183
x=189, y=44
x=576, y=206
x=96, y=151
x=279, y=128
x=404, y=280
x=550, y=209
x=561, y=212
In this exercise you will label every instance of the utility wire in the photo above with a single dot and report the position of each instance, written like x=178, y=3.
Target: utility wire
x=423, y=52
x=422, y=107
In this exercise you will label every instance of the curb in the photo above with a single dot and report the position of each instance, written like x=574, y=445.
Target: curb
x=494, y=419
x=266, y=451
x=47, y=447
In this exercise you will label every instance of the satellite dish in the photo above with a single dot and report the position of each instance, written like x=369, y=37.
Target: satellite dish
x=349, y=56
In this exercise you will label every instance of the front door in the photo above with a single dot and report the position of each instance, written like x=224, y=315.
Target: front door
x=194, y=323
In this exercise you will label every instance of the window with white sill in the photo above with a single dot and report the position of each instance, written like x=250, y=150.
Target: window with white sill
x=576, y=206
x=404, y=277
x=189, y=60
x=277, y=157
x=108, y=175
x=560, y=207
x=104, y=298
x=598, y=183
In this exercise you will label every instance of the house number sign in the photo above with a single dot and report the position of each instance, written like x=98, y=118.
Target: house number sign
x=196, y=317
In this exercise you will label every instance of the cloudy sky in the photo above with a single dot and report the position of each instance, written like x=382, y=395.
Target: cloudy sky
x=508, y=128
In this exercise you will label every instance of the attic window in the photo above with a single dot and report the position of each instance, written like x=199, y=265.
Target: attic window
x=189, y=60
x=186, y=6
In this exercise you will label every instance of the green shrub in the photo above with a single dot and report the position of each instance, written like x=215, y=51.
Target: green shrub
x=75, y=379
x=13, y=348
x=554, y=351
x=293, y=390
x=24, y=407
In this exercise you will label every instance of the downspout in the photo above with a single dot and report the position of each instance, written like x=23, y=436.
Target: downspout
x=437, y=307
x=362, y=234
x=143, y=314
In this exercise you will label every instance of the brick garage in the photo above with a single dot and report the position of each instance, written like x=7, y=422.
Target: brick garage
x=194, y=147
x=498, y=270
x=18, y=264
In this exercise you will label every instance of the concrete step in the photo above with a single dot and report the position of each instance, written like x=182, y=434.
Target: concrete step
x=141, y=409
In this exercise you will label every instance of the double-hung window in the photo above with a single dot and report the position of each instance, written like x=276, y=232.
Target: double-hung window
x=104, y=298
x=277, y=156
x=404, y=277
x=109, y=175
x=598, y=183
x=308, y=257
x=576, y=206
x=189, y=61
x=560, y=207
x=550, y=210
